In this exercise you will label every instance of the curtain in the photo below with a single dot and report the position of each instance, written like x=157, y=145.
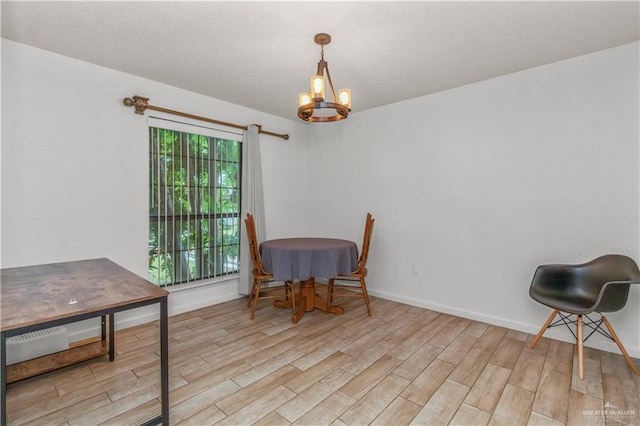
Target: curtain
x=252, y=201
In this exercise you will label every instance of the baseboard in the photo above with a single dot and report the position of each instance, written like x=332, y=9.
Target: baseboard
x=179, y=302
x=557, y=334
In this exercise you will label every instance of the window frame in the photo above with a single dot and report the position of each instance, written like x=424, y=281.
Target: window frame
x=214, y=273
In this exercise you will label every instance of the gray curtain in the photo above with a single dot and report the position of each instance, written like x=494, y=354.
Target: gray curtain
x=252, y=201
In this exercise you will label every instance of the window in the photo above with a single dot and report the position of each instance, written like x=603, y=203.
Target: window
x=194, y=203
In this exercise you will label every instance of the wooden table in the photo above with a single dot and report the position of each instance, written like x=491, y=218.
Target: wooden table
x=42, y=296
x=305, y=259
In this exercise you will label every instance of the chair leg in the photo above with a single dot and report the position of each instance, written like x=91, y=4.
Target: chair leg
x=622, y=349
x=293, y=301
x=580, y=343
x=544, y=328
x=258, y=285
x=251, y=293
x=329, y=295
x=365, y=295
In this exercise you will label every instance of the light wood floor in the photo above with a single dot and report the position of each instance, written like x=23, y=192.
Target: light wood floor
x=403, y=365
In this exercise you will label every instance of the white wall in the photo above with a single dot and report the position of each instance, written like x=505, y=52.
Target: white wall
x=74, y=166
x=475, y=186
x=478, y=185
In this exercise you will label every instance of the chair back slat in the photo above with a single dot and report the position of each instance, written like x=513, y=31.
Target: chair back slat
x=253, y=245
x=364, y=254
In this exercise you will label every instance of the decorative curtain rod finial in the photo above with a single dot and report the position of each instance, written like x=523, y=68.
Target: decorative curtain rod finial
x=140, y=103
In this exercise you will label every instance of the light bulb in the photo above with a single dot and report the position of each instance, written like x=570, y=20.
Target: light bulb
x=305, y=98
x=317, y=88
x=344, y=97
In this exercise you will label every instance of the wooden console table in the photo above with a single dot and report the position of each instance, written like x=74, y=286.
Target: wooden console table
x=44, y=296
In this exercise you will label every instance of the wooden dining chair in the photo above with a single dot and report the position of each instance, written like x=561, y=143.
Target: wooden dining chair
x=261, y=277
x=358, y=275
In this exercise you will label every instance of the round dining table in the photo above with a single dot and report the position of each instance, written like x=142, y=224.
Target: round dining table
x=305, y=259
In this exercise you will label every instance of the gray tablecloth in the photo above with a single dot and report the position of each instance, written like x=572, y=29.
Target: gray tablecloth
x=302, y=258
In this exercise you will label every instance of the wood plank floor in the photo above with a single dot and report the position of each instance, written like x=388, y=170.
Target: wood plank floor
x=404, y=365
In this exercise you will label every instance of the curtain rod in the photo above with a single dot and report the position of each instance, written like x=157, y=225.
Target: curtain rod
x=141, y=103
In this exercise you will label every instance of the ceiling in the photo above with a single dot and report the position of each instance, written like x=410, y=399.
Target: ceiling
x=262, y=54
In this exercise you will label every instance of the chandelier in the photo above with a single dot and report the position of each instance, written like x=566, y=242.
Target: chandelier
x=312, y=106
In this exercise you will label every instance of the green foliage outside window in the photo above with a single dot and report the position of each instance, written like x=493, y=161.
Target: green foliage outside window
x=194, y=206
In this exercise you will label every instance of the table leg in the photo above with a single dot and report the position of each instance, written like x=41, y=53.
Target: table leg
x=3, y=385
x=299, y=311
x=308, y=301
x=103, y=324
x=112, y=339
x=308, y=291
x=321, y=304
x=314, y=300
x=164, y=360
x=307, y=296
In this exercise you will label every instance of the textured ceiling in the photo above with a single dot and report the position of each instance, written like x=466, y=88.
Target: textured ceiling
x=262, y=54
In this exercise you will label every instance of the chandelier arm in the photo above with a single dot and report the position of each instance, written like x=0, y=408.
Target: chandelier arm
x=321, y=66
x=333, y=93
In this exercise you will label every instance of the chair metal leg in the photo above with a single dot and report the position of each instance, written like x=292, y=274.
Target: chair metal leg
x=622, y=349
x=544, y=328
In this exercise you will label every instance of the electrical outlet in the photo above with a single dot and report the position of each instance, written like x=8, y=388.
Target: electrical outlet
x=416, y=270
